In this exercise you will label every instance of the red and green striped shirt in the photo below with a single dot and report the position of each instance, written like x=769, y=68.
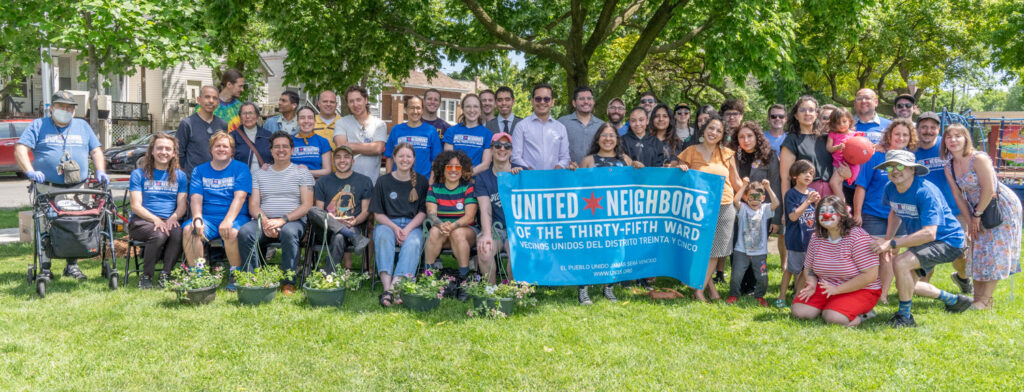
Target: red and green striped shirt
x=451, y=203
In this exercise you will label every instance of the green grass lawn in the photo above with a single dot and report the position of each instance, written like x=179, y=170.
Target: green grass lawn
x=84, y=337
x=9, y=217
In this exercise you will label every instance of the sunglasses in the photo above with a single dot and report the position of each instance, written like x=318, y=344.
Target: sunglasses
x=683, y=112
x=541, y=99
x=500, y=145
x=897, y=166
x=904, y=105
x=453, y=167
x=755, y=196
x=647, y=100
x=777, y=116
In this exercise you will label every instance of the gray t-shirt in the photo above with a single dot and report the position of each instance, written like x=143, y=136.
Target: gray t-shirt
x=280, y=191
x=375, y=131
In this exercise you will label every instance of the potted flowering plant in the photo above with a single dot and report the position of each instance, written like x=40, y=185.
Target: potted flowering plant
x=328, y=289
x=425, y=292
x=260, y=285
x=501, y=299
x=195, y=285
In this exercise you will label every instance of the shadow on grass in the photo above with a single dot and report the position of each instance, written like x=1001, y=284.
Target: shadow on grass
x=23, y=288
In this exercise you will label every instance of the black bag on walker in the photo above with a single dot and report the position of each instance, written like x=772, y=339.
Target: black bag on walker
x=73, y=237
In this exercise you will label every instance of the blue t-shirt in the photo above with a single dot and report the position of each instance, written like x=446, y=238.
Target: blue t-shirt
x=424, y=141
x=874, y=182
x=471, y=140
x=159, y=196
x=922, y=205
x=486, y=184
x=873, y=131
x=218, y=188
x=309, y=151
x=624, y=128
x=937, y=175
x=775, y=141
x=49, y=143
x=798, y=232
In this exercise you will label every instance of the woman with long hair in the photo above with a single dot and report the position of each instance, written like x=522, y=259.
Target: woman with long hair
x=660, y=125
x=398, y=206
x=158, y=192
x=470, y=135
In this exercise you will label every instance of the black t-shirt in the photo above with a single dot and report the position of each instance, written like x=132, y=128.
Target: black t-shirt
x=650, y=151
x=391, y=197
x=813, y=149
x=343, y=197
x=194, y=140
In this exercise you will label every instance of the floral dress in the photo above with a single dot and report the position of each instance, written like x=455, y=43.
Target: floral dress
x=996, y=252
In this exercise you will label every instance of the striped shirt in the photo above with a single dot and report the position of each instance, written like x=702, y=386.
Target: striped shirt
x=838, y=263
x=451, y=203
x=280, y=190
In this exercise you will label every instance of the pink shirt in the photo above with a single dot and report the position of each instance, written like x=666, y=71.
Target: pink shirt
x=837, y=263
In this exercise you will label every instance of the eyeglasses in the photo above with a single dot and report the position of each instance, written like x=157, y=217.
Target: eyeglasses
x=281, y=147
x=457, y=168
x=733, y=114
x=904, y=105
x=864, y=99
x=648, y=100
x=897, y=166
x=777, y=116
x=618, y=108
x=808, y=110
x=541, y=99
x=500, y=145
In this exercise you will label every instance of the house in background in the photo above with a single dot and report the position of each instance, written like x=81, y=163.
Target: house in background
x=392, y=99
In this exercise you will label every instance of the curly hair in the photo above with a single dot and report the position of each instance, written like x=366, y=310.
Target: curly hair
x=595, y=145
x=793, y=126
x=846, y=222
x=442, y=160
x=149, y=164
x=413, y=196
x=887, y=136
x=672, y=140
x=762, y=149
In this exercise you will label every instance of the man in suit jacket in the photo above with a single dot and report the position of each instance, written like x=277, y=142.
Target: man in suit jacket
x=505, y=121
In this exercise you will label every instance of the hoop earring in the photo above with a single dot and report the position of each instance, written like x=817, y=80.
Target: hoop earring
x=701, y=139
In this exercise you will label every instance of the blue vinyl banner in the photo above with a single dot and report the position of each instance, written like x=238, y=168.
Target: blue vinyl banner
x=606, y=225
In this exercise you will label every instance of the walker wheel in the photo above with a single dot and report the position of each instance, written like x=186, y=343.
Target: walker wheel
x=113, y=281
x=31, y=274
x=41, y=288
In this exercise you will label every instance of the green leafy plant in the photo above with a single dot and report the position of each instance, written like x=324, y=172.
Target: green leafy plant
x=191, y=278
x=521, y=294
x=265, y=276
x=429, y=284
x=321, y=280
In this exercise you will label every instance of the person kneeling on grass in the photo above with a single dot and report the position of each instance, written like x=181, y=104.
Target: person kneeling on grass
x=451, y=208
x=281, y=196
x=842, y=272
x=934, y=235
x=751, y=251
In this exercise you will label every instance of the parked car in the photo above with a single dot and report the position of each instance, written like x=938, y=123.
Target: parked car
x=129, y=156
x=10, y=132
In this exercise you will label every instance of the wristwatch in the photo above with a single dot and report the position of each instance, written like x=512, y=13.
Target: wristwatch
x=892, y=244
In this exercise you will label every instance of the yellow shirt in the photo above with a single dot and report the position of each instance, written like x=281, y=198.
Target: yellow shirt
x=326, y=130
x=720, y=164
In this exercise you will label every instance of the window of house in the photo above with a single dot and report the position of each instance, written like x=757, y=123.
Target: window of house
x=448, y=110
x=192, y=88
x=64, y=73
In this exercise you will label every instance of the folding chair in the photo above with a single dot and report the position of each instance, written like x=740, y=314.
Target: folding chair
x=318, y=244
x=445, y=249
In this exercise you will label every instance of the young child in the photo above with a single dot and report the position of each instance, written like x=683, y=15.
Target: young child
x=799, y=207
x=751, y=250
x=839, y=131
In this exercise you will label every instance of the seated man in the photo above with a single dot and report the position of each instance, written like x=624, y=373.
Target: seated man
x=281, y=196
x=934, y=235
x=341, y=203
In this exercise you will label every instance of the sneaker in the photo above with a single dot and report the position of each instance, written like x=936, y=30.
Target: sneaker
x=583, y=293
x=45, y=275
x=780, y=303
x=964, y=284
x=145, y=283
x=644, y=284
x=762, y=302
x=73, y=271
x=461, y=295
x=271, y=252
x=288, y=289
x=164, y=278
x=231, y=281
x=898, y=321
x=719, y=277
x=609, y=293
x=731, y=300
x=360, y=243
x=868, y=316
x=962, y=303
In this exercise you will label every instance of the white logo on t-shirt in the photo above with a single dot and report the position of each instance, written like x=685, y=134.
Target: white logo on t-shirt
x=393, y=195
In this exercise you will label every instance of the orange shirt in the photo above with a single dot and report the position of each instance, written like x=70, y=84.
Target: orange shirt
x=720, y=164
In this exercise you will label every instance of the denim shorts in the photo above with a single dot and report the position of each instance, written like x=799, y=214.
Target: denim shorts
x=876, y=226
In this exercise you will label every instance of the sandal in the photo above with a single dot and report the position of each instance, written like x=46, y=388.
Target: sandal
x=386, y=299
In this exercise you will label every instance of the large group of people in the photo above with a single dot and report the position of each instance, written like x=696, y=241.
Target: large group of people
x=845, y=232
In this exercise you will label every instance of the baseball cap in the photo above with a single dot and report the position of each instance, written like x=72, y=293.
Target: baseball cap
x=906, y=97
x=501, y=135
x=929, y=116
x=63, y=96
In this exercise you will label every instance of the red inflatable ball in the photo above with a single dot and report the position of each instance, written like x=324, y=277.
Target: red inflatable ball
x=858, y=150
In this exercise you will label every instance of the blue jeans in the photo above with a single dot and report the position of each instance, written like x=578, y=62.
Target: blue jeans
x=408, y=255
x=290, y=236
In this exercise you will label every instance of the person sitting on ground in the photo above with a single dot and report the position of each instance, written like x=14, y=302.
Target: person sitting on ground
x=281, y=196
x=218, y=199
x=342, y=206
x=451, y=209
x=842, y=272
x=159, y=193
x=399, y=207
